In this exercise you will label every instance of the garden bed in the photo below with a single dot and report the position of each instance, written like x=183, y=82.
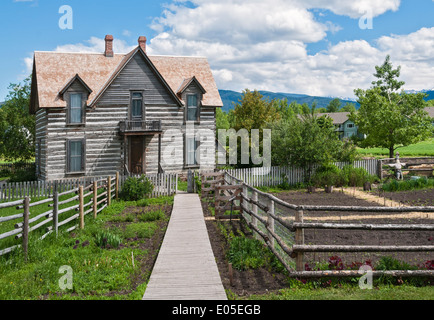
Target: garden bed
x=265, y=279
x=413, y=197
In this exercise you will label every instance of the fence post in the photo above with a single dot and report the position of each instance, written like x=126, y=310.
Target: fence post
x=270, y=221
x=55, y=212
x=255, y=210
x=81, y=206
x=117, y=186
x=26, y=227
x=109, y=191
x=299, y=240
x=95, y=199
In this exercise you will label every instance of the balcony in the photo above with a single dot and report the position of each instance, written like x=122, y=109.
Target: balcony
x=139, y=127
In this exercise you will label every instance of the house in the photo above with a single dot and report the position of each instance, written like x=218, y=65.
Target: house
x=102, y=113
x=344, y=126
x=430, y=111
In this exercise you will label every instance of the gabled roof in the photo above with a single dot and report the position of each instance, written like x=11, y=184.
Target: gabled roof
x=69, y=84
x=337, y=117
x=186, y=83
x=55, y=70
x=122, y=65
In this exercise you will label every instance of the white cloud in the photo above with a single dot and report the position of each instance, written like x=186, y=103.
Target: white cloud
x=96, y=45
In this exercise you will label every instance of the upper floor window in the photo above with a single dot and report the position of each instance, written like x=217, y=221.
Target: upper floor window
x=350, y=125
x=192, y=108
x=75, y=108
x=137, y=105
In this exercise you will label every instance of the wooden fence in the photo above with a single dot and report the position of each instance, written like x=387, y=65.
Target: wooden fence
x=283, y=231
x=164, y=184
x=273, y=176
x=85, y=198
x=74, y=208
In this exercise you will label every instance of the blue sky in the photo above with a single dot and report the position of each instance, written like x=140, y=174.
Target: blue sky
x=300, y=46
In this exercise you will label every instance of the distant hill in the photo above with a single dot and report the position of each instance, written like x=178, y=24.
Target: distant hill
x=231, y=98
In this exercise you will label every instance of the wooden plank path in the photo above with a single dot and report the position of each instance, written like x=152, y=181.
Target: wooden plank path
x=185, y=268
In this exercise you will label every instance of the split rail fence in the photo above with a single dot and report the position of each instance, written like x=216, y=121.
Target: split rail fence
x=281, y=226
x=70, y=206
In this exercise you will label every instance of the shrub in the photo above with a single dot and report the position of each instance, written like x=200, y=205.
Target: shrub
x=355, y=177
x=406, y=185
x=23, y=174
x=136, y=188
x=326, y=175
x=141, y=230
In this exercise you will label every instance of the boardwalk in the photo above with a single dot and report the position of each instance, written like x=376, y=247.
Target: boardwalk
x=185, y=268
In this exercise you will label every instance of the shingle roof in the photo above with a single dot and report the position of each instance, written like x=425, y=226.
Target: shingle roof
x=337, y=117
x=54, y=70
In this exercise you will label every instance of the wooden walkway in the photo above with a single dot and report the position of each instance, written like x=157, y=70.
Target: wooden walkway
x=185, y=268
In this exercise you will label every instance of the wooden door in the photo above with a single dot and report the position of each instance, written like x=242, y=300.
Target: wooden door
x=136, y=155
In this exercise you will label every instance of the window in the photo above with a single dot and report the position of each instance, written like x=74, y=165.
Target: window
x=192, y=108
x=136, y=105
x=76, y=156
x=75, y=108
x=350, y=125
x=191, y=149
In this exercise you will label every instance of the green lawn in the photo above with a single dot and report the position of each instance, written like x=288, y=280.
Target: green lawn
x=425, y=148
x=98, y=272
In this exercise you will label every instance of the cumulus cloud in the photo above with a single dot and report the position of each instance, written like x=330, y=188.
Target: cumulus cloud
x=96, y=45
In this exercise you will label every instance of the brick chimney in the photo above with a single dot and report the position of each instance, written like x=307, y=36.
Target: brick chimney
x=142, y=43
x=108, y=46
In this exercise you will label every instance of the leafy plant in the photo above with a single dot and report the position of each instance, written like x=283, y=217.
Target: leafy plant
x=152, y=216
x=136, y=188
x=106, y=239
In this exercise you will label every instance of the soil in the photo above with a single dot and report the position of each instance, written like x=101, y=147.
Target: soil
x=413, y=198
x=244, y=283
x=262, y=280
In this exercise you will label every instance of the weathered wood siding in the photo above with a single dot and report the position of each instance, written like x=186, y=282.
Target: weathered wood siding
x=41, y=138
x=106, y=152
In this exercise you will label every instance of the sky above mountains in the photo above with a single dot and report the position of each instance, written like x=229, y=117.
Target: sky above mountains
x=314, y=47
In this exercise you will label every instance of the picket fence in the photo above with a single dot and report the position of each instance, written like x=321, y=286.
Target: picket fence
x=273, y=176
x=164, y=185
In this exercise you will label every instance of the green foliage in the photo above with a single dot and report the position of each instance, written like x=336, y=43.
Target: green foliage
x=355, y=177
x=141, y=230
x=22, y=174
x=326, y=175
x=334, y=105
x=245, y=253
x=390, y=118
x=305, y=143
x=152, y=216
x=136, y=188
x=406, y=185
x=17, y=125
x=107, y=239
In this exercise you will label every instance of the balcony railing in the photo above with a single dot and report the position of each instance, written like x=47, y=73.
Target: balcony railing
x=138, y=126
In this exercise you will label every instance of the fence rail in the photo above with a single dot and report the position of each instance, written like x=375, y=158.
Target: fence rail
x=164, y=184
x=283, y=230
x=273, y=176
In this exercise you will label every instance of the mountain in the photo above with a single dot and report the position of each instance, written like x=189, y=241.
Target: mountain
x=231, y=98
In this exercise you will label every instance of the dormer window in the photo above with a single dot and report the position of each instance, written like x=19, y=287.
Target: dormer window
x=192, y=108
x=75, y=94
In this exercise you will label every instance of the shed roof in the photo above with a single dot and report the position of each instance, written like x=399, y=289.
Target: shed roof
x=54, y=70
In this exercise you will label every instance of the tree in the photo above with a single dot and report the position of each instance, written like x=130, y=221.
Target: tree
x=17, y=125
x=391, y=119
x=307, y=141
x=222, y=119
x=334, y=105
x=253, y=112
x=348, y=107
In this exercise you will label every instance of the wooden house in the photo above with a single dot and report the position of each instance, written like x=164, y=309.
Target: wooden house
x=102, y=113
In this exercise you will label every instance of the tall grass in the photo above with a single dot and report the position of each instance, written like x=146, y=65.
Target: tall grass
x=407, y=185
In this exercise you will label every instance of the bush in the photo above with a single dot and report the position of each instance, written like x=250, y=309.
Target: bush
x=152, y=216
x=136, y=188
x=407, y=185
x=355, y=177
x=326, y=175
x=22, y=174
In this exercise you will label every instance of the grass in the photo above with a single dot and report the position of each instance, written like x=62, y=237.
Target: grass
x=100, y=272
x=425, y=148
x=407, y=185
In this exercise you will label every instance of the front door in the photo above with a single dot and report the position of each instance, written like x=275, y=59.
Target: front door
x=136, y=155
